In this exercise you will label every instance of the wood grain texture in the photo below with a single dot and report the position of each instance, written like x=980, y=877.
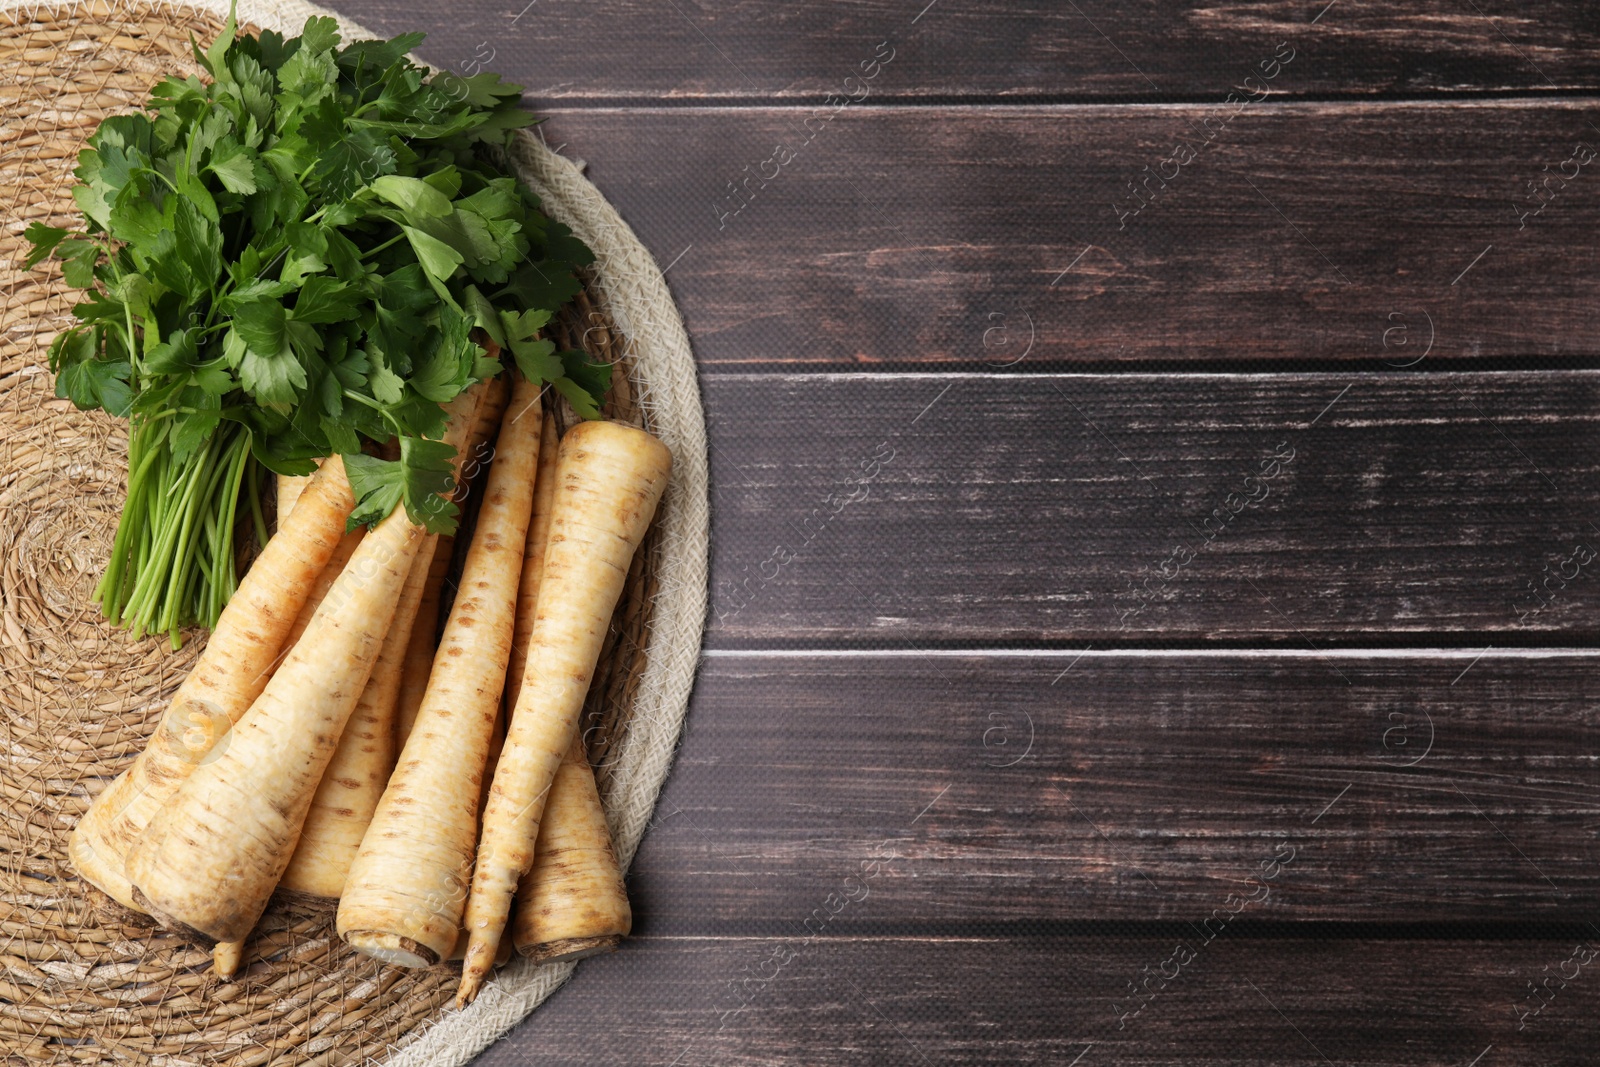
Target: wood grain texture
x=985, y=235
x=1089, y=787
x=742, y=49
x=1034, y=998
x=969, y=857
x=1131, y=509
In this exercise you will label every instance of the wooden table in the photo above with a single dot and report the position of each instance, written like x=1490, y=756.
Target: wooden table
x=1154, y=496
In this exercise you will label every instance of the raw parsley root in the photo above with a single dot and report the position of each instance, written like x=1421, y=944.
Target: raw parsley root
x=225, y=681
x=424, y=640
x=608, y=481
x=355, y=777
x=213, y=854
x=572, y=902
x=282, y=261
x=404, y=895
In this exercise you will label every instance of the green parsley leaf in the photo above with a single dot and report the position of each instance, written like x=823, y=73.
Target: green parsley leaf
x=198, y=415
x=79, y=258
x=213, y=377
x=548, y=283
x=378, y=55
x=260, y=324
x=323, y=299
x=446, y=368
x=215, y=58
x=584, y=384
x=483, y=314
x=199, y=244
x=321, y=34
x=537, y=360
x=438, y=259
x=358, y=158
x=87, y=381
x=422, y=477
x=387, y=386
x=235, y=168
x=174, y=355
x=378, y=485
x=415, y=197
x=268, y=369
x=44, y=240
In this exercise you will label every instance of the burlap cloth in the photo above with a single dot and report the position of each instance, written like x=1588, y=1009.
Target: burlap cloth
x=80, y=980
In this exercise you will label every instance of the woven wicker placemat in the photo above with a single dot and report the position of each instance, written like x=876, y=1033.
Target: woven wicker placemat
x=81, y=979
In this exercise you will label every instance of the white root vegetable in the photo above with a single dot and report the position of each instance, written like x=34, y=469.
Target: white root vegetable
x=224, y=682
x=572, y=903
x=350, y=787
x=290, y=486
x=609, y=481
x=544, y=495
x=226, y=957
x=319, y=589
x=212, y=856
x=425, y=634
x=424, y=642
x=403, y=900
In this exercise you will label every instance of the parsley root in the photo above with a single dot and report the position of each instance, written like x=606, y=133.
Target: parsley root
x=403, y=900
x=544, y=495
x=350, y=787
x=572, y=903
x=608, y=483
x=424, y=641
x=225, y=681
x=213, y=854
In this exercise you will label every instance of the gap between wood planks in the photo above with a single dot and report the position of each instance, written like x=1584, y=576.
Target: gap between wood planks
x=1346, y=369
x=1418, y=652
x=988, y=100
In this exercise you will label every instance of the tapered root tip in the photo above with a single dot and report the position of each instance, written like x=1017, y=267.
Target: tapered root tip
x=474, y=969
x=226, y=957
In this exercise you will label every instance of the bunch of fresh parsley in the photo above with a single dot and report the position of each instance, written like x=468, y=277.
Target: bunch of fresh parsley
x=283, y=262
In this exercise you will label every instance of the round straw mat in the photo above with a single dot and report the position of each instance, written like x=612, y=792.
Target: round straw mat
x=82, y=980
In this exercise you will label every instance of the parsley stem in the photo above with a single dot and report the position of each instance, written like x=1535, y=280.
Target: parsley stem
x=142, y=457
x=172, y=557
x=255, y=505
x=369, y=253
x=213, y=472
x=133, y=353
x=243, y=480
x=394, y=424
x=183, y=543
x=169, y=545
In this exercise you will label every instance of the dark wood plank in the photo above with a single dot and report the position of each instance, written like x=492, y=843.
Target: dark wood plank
x=927, y=235
x=958, y=791
x=1074, y=509
x=1041, y=999
x=711, y=51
